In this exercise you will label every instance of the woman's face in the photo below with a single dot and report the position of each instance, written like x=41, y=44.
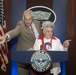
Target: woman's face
x=48, y=32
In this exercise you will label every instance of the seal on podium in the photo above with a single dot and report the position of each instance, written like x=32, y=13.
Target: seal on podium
x=41, y=61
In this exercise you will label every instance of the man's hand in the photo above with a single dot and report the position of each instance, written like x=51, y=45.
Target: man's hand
x=31, y=49
x=66, y=43
x=3, y=39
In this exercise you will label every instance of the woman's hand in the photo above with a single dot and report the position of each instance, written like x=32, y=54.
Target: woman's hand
x=66, y=43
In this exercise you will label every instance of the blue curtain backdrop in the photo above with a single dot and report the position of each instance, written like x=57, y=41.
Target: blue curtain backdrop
x=60, y=8
x=18, y=7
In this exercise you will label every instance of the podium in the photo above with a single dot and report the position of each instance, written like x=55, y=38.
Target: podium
x=25, y=57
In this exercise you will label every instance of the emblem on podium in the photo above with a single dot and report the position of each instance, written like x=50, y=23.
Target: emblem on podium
x=41, y=61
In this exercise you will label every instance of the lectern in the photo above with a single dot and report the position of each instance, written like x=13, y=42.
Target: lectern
x=39, y=59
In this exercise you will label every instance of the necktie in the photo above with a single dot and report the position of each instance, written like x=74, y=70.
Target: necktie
x=32, y=29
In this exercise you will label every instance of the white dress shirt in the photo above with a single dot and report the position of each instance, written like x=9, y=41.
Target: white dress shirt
x=35, y=30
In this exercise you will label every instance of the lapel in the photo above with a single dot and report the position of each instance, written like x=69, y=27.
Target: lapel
x=36, y=25
x=29, y=34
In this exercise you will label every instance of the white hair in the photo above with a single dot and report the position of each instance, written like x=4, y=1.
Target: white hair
x=27, y=12
x=47, y=24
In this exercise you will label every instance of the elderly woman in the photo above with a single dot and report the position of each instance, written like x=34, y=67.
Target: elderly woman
x=51, y=43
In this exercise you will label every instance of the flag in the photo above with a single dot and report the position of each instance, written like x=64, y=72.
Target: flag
x=3, y=47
